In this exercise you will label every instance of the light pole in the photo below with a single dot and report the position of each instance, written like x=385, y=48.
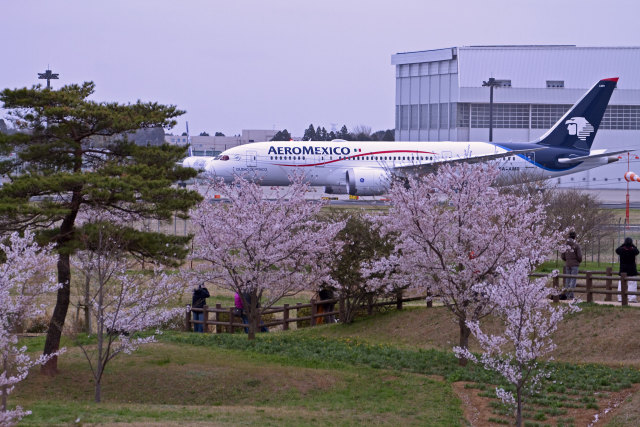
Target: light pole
x=491, y=83
x=48, y=76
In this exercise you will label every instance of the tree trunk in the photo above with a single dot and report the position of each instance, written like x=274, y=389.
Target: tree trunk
x=465, y=332
x=87, y=302
x=100, y=337
x=252, y=324
x=519, y=409
x=52, y=343
x=253, y=315
x=5, y=366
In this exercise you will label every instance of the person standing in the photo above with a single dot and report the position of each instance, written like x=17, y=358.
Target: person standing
x=199, y=300
x=572, y=258
x=627, y=253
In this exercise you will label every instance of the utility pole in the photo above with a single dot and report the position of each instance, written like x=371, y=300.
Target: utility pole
x=491, y=83
x=48, y=76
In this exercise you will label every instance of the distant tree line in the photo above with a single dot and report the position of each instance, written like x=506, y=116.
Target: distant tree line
x=359, y=133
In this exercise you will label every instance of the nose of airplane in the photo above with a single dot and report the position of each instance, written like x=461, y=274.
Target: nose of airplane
x=210, y=169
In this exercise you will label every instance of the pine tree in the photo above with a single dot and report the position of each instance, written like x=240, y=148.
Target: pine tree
x=310, y=134
x=73, y=154
x=344, y=133
x=282, y=135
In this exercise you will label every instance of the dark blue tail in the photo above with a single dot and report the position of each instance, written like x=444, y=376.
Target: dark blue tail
x=577, y=128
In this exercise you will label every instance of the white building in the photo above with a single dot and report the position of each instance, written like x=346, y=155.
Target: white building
x=440, y=97
x=213, y=145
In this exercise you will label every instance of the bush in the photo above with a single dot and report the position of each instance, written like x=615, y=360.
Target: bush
x=38, y=325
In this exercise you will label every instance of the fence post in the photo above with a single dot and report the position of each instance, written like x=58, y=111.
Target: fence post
x=285, y=318
x=556, y=286
x=624, y=288
x=231, y=319
x=187, y=323
x=399, y=300
x=429, y=300
x=217, y=317
x=298, y=315
x=314, y=311
x=341, y=309
x=369, y=304
x=205, y=319
x=608, y=284
x=589, y=285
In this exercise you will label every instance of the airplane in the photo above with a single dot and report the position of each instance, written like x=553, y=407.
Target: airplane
x=364, y=168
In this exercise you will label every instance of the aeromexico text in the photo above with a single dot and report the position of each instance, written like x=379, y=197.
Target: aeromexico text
x=317, y=151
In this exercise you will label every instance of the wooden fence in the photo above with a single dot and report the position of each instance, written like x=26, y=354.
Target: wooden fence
x=589, y=283
x=594, y=283
x=224, y=319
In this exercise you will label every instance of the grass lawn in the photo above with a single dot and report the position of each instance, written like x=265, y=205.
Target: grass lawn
x=392, y=368
x=171, y=382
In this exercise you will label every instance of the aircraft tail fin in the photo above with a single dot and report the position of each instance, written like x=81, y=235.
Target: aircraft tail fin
x=578, y=127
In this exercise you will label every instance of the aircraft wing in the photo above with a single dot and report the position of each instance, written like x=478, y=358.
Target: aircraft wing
x=425, y=168
x=569, y=160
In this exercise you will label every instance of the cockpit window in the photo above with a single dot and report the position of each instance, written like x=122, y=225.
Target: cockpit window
x=225, y=157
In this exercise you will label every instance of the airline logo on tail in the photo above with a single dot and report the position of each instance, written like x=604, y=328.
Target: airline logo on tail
x=580, y=127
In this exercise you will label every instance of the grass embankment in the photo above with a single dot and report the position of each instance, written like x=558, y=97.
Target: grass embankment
x=174, y=382
x=393, y=368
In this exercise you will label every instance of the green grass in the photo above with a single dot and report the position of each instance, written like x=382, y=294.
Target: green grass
x=569, y=386
x=174, y=381
x=311, y=376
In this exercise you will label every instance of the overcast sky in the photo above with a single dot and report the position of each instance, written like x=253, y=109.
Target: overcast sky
x=262, y=64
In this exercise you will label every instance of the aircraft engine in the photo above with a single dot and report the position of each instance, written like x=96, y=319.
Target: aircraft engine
x=367, y=181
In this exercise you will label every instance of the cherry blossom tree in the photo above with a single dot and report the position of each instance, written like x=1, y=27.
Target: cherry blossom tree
x=454, y=230
x=529, y=321
x=122, y=301
x=27, y=272
x=266, y=249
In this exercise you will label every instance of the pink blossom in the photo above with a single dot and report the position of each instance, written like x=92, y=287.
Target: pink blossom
x=529, y=322
x=455, y=230
x=27, y=273
x=269, y=248
x=122, y=302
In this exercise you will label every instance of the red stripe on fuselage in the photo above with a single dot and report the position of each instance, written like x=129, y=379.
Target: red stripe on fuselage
x=360, y=155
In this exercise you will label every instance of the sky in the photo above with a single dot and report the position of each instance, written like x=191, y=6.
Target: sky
x=275, y=64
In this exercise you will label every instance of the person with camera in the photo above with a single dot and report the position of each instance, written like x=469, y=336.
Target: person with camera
x=627, y=253
x=572, y=258
x=199, y=300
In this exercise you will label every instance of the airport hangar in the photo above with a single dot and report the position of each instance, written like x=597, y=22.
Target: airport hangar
x=440, y=97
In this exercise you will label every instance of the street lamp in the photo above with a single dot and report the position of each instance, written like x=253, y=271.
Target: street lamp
x=491, y=83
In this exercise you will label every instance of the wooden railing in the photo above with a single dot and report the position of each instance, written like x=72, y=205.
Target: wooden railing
x=590, y=283
x=213, y=316
x=593, y=283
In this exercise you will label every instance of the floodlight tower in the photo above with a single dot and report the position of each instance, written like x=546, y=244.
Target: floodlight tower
x=48, y=76
x=491, y=83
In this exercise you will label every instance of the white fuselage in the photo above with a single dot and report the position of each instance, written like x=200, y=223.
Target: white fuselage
x=324, y=163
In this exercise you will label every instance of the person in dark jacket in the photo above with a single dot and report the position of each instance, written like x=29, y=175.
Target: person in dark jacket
x=199, y=300
x=572, y=258
x=627, y=253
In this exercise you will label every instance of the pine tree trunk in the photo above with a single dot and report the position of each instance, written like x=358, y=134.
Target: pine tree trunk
x=465, y=332
x=52, y=343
